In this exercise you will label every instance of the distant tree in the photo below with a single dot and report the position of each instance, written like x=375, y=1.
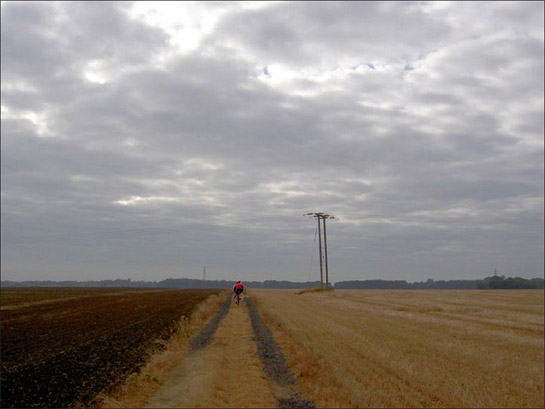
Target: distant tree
x=501, y=282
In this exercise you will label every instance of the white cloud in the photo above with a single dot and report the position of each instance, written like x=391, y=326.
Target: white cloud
x=94, y=72
x=37, y=119
x=154, y=200
x=187, y=23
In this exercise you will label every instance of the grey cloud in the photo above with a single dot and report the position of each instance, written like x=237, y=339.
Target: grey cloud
x=220, y=166
x=46, y=46
x=304, y=31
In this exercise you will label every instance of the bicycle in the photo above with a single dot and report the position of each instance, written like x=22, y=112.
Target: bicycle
x=237, y=298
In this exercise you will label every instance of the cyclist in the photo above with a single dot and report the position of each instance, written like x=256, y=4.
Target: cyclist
x=238, y=288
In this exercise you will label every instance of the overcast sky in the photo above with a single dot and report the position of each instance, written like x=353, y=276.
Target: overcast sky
x=148, y=140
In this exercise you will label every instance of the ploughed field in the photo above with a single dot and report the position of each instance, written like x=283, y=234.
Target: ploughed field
x=403, y=348
x=61, y=346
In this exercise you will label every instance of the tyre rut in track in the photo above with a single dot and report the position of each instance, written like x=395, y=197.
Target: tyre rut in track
x=206, y=335
x=274, y=363
x=233, y=362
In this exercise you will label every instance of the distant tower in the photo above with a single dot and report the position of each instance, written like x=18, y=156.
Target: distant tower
x=204, y=273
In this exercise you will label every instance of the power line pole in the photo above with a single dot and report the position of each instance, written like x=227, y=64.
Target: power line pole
x=322, y=217
x=325, y=247
x=320, y=248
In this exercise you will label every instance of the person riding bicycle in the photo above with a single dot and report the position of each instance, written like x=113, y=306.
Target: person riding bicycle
x=238, y=288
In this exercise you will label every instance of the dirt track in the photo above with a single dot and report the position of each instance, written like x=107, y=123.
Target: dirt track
x=234, y=362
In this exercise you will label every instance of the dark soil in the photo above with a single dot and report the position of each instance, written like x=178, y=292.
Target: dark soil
x=273, y=360
x=61, y=354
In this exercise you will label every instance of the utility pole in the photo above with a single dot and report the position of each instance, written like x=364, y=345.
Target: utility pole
x=322, y=217
x=325, y=247
x=320, y=248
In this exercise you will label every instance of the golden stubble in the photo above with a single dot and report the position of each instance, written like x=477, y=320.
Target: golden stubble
x=359, y=348
x=138, y=387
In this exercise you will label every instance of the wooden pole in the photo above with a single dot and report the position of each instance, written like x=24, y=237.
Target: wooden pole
x=325, y=248
x=320, y=246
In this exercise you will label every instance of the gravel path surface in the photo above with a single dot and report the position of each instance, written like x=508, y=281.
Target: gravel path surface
x=274, y=362
x=205, y=337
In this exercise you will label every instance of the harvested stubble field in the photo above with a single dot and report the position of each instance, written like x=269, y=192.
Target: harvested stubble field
x=59, y=350
x=373, y=348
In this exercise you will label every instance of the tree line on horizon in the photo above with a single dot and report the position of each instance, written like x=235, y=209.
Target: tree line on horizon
x=493, y=282
x=501, y=282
